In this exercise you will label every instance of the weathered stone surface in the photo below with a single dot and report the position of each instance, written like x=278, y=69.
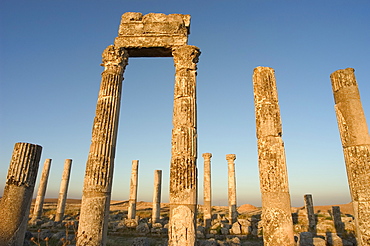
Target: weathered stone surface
x=233, y=213
x=157, y=196
x=236, y=229
x=207, y=208
x=63, y=190
x=143, y=228
x=276, y=212
x=92, y=228
x=355, y=138
x=16, y=201
x=39, y=202
x=183, y=172
x=131, y=214
x=308, y=202
x=153, y=34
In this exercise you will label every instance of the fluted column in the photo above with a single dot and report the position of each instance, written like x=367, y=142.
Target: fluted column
x=183, y=173
x=93, y=221
x=308, y=203
x=63, y=190
x=16, y=201
x=355, y=138
x=39, y=203
x=207, y=210
x=156, y=213
x=233, y=214
x=276, y=210
x=133, y=190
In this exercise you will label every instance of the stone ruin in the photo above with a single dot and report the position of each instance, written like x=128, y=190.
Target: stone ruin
x=159, y=35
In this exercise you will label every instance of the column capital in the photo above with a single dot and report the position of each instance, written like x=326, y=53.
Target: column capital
x=114, y=59
x=207, y=155
x=231, y=157
x=186, y=56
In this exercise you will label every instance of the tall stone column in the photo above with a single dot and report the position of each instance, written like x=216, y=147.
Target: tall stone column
x=39, y=203
x=308, y=203
x=156, y=213
x=207, y=210
x=63, y=190
x=133, y=190
x=276, y=210
x=183, y=171
x=16, y=201
x=93, y=223
x=355, y=138
x=233, y=214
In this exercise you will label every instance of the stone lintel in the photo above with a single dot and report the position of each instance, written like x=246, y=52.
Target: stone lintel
x=153, y=34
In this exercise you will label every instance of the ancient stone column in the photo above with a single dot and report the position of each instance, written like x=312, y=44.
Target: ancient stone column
x=207, y=210
x=16, y=201
x=183, y=171
x=308, y=203
x=93, y=223
x=338, y=224
x=133, y=190
x=233, y=213
x=355, y=138
x=276, y=213
x=39, y=203
x=63, y=190
x=156, y=213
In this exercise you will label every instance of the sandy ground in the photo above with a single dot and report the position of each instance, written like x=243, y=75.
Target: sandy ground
x=123, y=205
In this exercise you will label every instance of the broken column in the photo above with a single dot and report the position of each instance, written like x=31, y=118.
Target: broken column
x=93, y=223
x=183, y=171
x=133, y=190
x=39, y=203
x=63, y=190
x=207, y=207
x=308, y=203
x=17, y=197
x=156, y=212
x=337, y=217
x=233, y=214
x=355, y=138
x=276, y=210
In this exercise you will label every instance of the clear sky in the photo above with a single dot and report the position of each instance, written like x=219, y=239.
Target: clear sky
x=50, y=56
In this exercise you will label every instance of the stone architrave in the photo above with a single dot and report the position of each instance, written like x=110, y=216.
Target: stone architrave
x=156, y=213
x=17, y=197
x=133, y=190
x=233, y=213
x=93, y=223
x=150, y=35
x=308, y=203
x=39, y=203
x=276, y=209
x=207, y=210
x=355, y=138
x=63, y=190
x=183, y=171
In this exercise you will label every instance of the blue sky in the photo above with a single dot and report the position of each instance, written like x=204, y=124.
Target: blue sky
x=50, y=55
